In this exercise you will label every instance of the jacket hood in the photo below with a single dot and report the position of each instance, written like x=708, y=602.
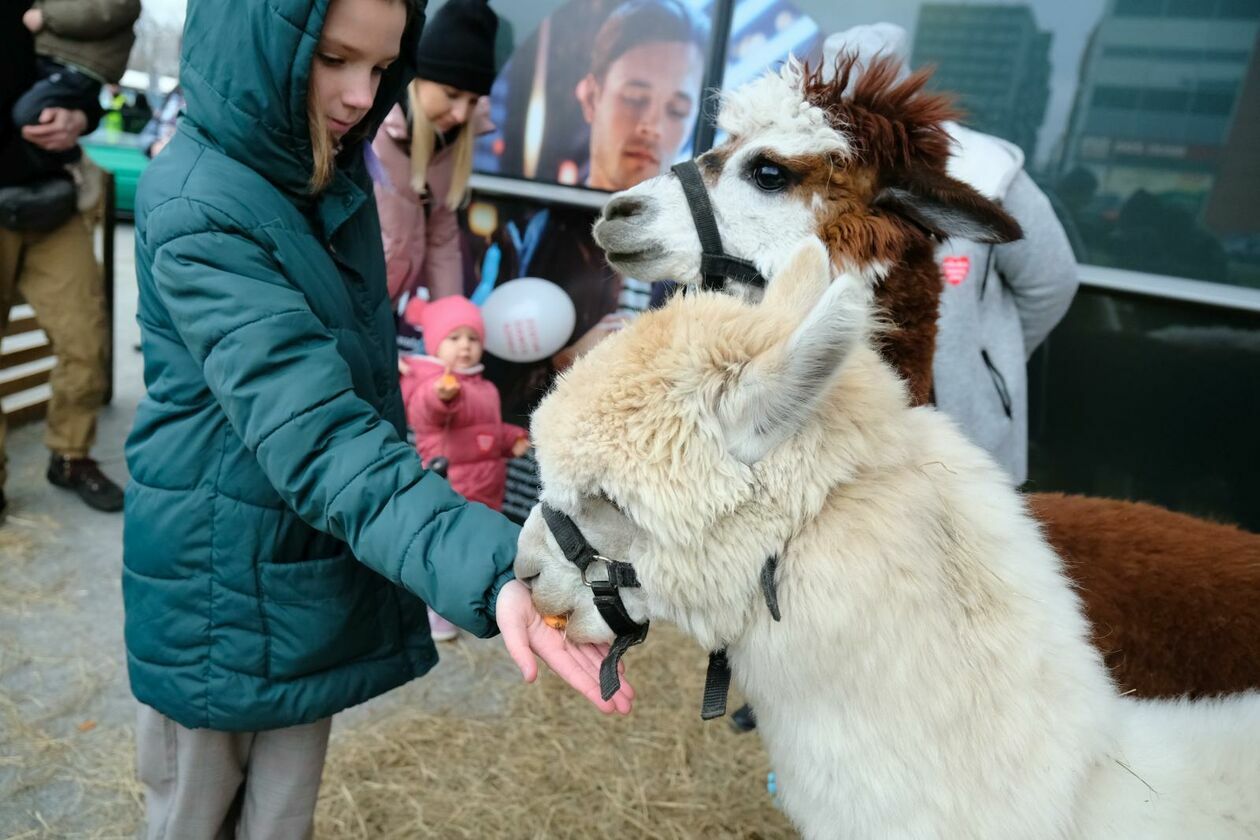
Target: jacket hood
x=868, y=42
x=988, y=164
x=245, y=68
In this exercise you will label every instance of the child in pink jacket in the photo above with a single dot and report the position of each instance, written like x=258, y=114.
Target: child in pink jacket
x=454, y=411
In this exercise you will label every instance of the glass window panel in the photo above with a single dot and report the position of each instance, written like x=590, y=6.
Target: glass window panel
x=1116, y=97
x=1215, y=103
x=1155, y=99
x=1135, y=397
x=1087, y=90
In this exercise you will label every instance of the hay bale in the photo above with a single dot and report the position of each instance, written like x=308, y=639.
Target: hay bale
x=553, y=767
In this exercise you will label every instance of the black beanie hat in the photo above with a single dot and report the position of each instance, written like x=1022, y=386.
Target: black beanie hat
x=457, y=47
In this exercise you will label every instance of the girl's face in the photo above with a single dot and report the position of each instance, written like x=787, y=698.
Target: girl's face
x=360, y=40
x=460, y=349
x=446, y=106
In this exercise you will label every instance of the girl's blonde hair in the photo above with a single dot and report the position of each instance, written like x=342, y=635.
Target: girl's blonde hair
x=423, y=142
x=322, y=149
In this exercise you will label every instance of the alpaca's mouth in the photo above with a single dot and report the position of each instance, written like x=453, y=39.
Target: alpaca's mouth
x=641, y=255
x=623, y=242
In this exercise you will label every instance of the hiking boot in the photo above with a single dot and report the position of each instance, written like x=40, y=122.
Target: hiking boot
x=84, y=477
x=743, y=719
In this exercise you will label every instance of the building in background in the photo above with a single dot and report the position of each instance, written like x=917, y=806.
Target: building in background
x=995, y=59
x=1232, y=210
x=1162, y=85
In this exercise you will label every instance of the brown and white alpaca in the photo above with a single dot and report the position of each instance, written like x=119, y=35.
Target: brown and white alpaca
x=931, y=674
x=861, y=163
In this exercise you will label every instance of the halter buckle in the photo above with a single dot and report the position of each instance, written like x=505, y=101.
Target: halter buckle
x=607, y=566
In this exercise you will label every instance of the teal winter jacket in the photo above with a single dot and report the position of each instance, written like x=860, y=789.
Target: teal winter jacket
x=278, y=527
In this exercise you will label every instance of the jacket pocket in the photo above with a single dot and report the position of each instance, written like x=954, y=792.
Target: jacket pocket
x=319, y=614
x=999, y=382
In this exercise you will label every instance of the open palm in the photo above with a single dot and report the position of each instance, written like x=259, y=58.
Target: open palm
x=526, y=635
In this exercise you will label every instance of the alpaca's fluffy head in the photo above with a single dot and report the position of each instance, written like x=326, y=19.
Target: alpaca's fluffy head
x=667, y=428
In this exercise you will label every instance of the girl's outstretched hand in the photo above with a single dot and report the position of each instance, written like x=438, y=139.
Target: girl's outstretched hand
x=525, y=636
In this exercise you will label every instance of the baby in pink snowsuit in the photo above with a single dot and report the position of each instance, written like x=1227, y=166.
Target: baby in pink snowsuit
x=454, y=412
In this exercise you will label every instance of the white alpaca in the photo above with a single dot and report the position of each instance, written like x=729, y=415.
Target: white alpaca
x=932, y=675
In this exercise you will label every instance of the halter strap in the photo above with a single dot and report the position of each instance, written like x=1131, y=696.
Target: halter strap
x=715, y=264
x=569, y=537
x=605, y=591
x=717, y=684
x=717, y=679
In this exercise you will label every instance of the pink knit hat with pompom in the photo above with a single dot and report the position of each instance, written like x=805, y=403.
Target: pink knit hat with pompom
x=439, y=318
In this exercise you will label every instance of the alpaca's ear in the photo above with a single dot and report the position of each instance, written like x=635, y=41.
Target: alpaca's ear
x=797, y=287
x=778, y=392
x=945, y=207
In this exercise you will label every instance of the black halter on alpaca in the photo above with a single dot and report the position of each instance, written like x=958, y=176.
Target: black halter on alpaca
x=715, y=264
x=606, y=591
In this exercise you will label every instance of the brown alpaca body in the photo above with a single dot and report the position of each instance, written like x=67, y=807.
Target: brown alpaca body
x=1174, y=600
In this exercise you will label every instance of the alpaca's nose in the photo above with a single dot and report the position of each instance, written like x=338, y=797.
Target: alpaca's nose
x=623, y=207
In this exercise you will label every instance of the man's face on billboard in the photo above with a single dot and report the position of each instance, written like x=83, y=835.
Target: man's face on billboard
x=641, y=113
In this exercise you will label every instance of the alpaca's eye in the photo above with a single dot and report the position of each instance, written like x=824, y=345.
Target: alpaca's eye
x=769, y=177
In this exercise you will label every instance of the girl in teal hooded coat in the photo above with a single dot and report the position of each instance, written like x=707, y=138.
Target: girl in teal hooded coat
x=281, y=537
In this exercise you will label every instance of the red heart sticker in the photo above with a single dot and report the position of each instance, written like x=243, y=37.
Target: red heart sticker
x=485, y=442
x=955, y=269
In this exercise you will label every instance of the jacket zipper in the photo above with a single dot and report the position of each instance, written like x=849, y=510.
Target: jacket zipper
x=984, y=278
x=999, y=382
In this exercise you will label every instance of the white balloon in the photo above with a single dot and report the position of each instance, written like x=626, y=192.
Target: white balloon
x=527, y=319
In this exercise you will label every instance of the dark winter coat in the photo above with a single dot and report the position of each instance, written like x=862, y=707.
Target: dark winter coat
x=278, y=527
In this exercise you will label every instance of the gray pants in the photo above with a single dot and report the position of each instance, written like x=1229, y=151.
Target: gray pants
x=206, y=785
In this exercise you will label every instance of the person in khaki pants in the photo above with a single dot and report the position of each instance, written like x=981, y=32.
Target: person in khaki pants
x=51, y=264
x=57, y=274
